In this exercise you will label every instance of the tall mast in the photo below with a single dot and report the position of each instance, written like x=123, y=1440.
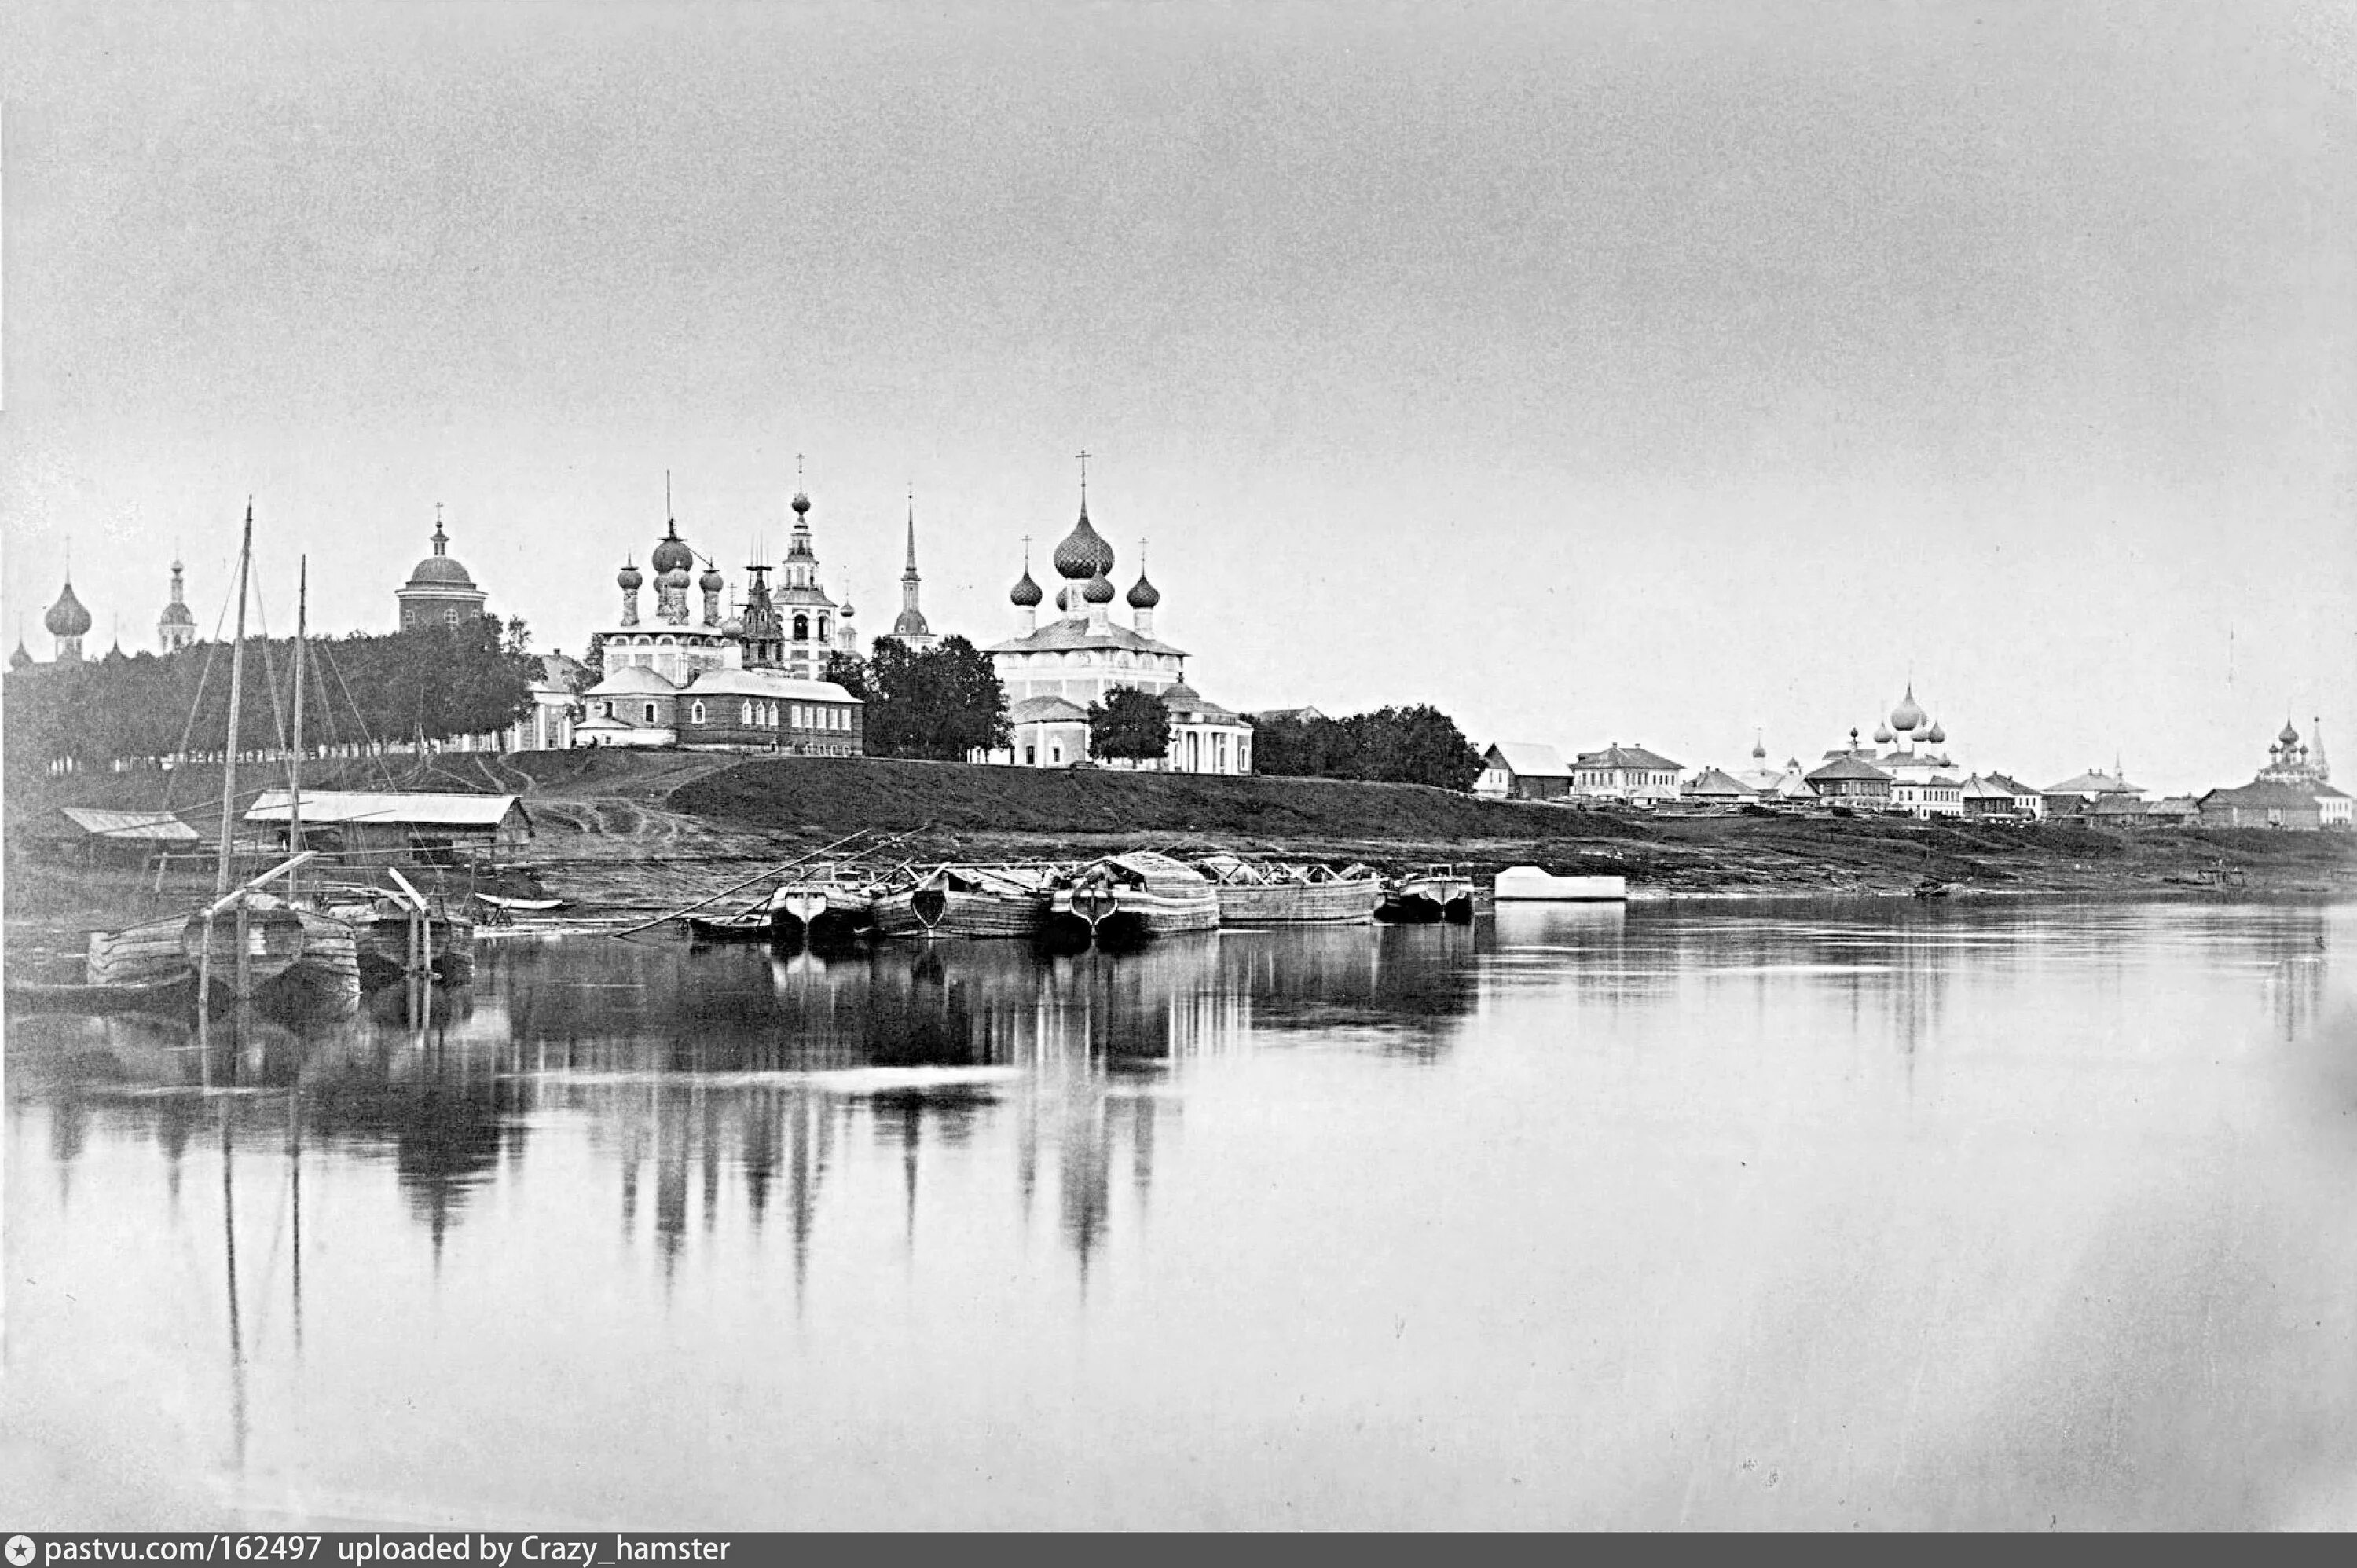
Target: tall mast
x=295, y=758
x=236, y=703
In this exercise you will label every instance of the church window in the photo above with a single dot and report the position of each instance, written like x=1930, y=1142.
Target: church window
x=801, y=629
x=651, y=713
x=822, y=629
x=450, y=619
x=745, y=714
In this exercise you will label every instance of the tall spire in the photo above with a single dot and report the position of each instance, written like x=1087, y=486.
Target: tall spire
x=911, y=570
x=1084, y=483
x=910, y=627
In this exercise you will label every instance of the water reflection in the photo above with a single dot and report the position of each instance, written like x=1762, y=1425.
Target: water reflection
x=1849, y=1189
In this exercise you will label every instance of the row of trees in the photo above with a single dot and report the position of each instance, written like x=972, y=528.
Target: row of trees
x=435, y=683
x=940, y=705
x=1420, y=745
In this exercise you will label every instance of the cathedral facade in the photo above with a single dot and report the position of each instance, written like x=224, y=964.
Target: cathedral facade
x=1051, y=672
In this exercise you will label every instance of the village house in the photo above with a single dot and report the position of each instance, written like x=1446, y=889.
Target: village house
x=1522, y=771
x=1852, y=781
x=1625, y=773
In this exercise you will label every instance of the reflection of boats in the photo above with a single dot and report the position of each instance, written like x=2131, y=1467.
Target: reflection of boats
x=964, y=901
x=522, y=906
x=1272, y=893
x=826, y=903
x=1530, y=882
x=1931, y=887
x=1141, y=894
x=1433, y=893
x=168, y=995
x=744, y=926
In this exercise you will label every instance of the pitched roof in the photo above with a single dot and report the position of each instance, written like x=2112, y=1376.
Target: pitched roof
x=1847, y=767
x=1710, y=781
x=1067, y=636
x=631, y=680
x=2302, y=798
x=2094, y=782
x=1046, y=710
x=437, y=809
x=767, y=683
x=1530, y=759
x=1625, y=757
x=2007, y=781
x=137, y=827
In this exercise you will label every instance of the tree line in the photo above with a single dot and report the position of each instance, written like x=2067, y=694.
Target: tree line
x=365, y=689
x=1419, y=745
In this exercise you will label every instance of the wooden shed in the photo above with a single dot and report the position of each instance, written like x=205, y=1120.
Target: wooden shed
x=428, y=827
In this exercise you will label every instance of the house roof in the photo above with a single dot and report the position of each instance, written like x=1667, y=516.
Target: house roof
x=1979, y=788
x=768, y=684
x=137, y=827
x=1067, y=636
x=1046, y=710
x=1625, y=757
x=425, y=808
x=1530, y=759
x=633, y=680
x=2094, y=782
x=1847, y=767
x=2007, y=781
x=2302, y=798
x=1710, y=781
x=2118, y=806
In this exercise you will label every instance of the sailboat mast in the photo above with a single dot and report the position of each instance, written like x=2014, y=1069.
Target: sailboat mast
x=295, y=758
x=236, y=705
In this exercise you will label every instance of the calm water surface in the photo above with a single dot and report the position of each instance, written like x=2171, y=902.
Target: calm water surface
x=1878, y=1215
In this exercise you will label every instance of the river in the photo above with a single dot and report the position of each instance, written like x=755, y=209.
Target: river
x=1876, y=1214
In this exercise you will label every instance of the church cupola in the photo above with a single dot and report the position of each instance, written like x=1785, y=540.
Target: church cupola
x=629, y=579
x=1083, y=553
x=910, y=627
x=1142, y=596
x=713, y=584
x=68, y=621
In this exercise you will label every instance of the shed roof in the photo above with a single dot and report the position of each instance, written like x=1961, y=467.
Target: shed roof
x=766, y=684
x=1531, y=759
x=135, y=827
x=1626, y=757
x=422, y=808
x=1046, y=710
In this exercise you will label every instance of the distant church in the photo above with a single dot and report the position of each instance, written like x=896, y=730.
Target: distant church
x=1052, y=672
x=439, y=591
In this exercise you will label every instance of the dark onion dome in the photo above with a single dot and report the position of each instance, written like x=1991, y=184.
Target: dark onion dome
x=2290, y=737
x=1142, y=595
x=1083, y=553
x=712, y=582
x=672, y=554
x=18, y=659
x=733, y=627
x=1025, y=594
x=1064, y=598
x=1882, y=735
x=1935, y=734
x=1098, y=590
x=802, y=503
x=1907, y=715
x=67, y=618
x=1758, y=751
x=674, y=578
x=629, y=577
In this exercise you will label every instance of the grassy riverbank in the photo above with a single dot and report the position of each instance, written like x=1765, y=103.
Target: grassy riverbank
x=654, y=829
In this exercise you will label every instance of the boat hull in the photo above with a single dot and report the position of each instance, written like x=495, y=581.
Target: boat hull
x=952, y=912
x=1427, y=900
x=819, y=912
x=1116, y=914
x=1298, y=903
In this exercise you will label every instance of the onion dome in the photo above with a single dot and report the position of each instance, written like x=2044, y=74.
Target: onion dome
x=1758, y=750
x=675, y=579
x=2290, y=737
x=1083, y=553
x=801, y=503
x=844, y=611
x=630, y=577
x=1882, y=735
x=1142, y=595
x=18, y=659
x=1098, y=590
x=733, y=627
x=673, y=554
x=1064, y=598
x=712, y=582
x=67, y=618
x=1907, y=715
x=1025, y=594
x=1935, y=734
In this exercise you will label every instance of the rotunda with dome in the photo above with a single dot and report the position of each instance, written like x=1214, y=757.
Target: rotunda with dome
x=439, y=591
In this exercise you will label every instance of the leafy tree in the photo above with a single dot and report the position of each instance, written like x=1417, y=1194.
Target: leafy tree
x=1418, y=744
x=593, y=657
x=941, y=704
x=1130, y=725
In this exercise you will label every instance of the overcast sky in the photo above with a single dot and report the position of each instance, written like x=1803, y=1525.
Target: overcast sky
x=1598, y=372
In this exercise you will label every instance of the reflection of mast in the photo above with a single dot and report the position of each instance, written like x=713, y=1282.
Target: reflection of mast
x=294, y=1178
x=236, y=1330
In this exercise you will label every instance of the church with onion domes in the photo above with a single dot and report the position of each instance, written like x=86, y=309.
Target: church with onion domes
x=1053, y=669
x=700, y=675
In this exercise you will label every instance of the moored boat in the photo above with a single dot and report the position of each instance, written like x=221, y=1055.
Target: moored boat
x=964, y=901
x=1131, y=896
x=1530, y=884
x=827, y=904
x=1433, y=893
x=1269, y=893
x=395, y=937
